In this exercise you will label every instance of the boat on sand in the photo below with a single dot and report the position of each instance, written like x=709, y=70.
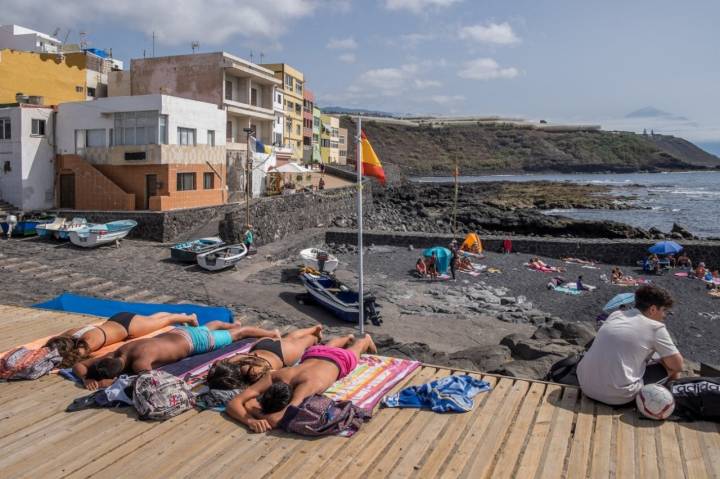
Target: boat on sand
x=222, y=258
x=319, y=260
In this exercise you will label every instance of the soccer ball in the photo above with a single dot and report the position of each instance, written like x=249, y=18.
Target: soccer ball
x=655, y=402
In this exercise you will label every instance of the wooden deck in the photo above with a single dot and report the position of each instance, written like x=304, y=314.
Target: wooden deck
x=521, y=429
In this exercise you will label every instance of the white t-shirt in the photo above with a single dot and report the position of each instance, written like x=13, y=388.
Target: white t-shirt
x=612, y=370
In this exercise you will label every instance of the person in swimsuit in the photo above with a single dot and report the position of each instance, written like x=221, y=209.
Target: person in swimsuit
x=268, y=354
x=147, y=354
x=262, y=406
x=77, y=344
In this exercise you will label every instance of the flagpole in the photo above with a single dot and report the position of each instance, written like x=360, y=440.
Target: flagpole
x=361, y=295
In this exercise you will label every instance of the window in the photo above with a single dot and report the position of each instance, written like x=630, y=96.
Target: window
x=343, y=153
x=186, y=181
x=306, y=141
x=38, y=127
x=297, y=129
x=279, y=100
x=333, y=144
x=254, y=97
x=209, y=181
x=325, y=143
x=290, y=105
x=342, y=140
x=91, y=92
x=316, y=122
x=79, y=89
x=228, y=89
x=229, y=131
x=298, y=87
x=95, y=138
x=4, y=128
x=138, y=128
x=288, y=125
x=288, y=82
x=163, y=129
x=186, y=136
x=298, y=108
x=211, y=138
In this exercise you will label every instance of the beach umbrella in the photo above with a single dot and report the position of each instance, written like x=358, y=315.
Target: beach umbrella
x=443, y=257
x=665, y=247
x=619, y=300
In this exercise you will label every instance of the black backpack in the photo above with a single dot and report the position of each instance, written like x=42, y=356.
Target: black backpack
x=697, y=398
x=565, y=370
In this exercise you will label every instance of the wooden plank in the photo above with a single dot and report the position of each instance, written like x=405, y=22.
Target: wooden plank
x=530, y=460
x=669, y=454
x=271, y=456
x=601, y=460
x=710, y=439
x=311, y=456
x=506, y=461
x=582, y=439
x=692, y=451
x=561, y=433
x=463, y=449
x=457, y=425
x=492, y=442
x=625, y=451
x=646, y=444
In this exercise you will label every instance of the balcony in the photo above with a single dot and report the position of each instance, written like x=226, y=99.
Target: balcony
x=133, y=155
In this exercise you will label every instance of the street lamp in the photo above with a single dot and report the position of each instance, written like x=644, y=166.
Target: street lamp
x=248, y=180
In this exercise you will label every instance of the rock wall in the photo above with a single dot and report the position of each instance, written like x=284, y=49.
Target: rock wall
x=620, y=251
x=274, y=218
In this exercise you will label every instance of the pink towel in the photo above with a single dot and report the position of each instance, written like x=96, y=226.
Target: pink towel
x=345, y=360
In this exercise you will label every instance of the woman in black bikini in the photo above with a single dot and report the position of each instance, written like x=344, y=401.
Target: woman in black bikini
x=266, y=355
x=77, y=344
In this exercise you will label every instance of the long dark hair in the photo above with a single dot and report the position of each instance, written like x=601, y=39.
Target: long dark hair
x=228, y=374
x=72, y=350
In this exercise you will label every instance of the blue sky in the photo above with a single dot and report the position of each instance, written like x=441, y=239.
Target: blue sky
x=558, y=60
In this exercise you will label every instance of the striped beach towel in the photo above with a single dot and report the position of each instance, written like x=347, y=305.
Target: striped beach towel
x=373, y=377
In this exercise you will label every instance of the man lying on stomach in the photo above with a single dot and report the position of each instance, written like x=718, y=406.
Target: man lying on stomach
x=145, y=354
x=262, y=406
x=616, y=367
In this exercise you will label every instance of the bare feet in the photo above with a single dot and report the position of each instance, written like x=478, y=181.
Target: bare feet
x=372, y=349
x=277, y=334
x=318, y=332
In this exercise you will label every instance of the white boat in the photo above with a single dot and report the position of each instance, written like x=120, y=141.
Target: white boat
x=313, y=257
x=94, y=235
x=60, y=228
x=222, y=258
x=76, y=224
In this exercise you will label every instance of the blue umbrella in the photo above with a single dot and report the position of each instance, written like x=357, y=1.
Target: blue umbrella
x=665, y=247
x=443, y=257
x=619, y=300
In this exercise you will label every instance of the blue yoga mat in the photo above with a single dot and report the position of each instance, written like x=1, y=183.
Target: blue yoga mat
x=74, y=303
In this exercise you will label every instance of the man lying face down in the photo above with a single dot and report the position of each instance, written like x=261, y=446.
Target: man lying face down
x=145, y=354
x=262, y=406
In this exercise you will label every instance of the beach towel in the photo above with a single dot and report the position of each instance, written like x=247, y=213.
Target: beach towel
x=681, y=274
x=373, y=377
x=194, y=369
x=563, y=289
x=449, y=394
x=573, y=286
x=75, y=303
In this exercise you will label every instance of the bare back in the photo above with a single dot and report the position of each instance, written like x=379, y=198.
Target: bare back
x=146, y=354
x=312, y=376
x=101, y=335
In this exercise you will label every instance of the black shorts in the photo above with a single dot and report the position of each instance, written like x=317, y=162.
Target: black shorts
x=123, y=319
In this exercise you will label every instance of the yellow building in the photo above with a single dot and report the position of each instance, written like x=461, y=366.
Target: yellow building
x=293, y=82
x=329, y=139
x=47, y=75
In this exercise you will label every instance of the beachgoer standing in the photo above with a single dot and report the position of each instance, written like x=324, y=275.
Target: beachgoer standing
x=321, y=183
x=248, y=237
x=453, y=262
x=432, y=266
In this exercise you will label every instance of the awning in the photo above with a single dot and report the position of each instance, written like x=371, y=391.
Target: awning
x=292, y=168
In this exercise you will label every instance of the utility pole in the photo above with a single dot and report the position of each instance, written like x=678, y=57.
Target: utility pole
x=153, y=45
x=248, y=176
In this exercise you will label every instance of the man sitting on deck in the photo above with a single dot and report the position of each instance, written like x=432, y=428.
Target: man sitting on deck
x=145, y=354
x=262, y=406
x=616, y=367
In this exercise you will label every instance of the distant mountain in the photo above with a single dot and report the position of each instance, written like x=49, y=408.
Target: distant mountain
x=652, y=112
x=340, y=110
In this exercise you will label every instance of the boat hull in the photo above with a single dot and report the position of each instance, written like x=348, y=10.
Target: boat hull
x=93, y=239
x=222, y=258
x=309, y=258
x=188, y=251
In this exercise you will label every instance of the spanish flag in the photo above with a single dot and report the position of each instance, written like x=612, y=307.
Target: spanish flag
x=371, y=165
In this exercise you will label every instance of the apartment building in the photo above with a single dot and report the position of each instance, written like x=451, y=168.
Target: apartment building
x=279, y=110
x=293, y=82
x=329, y=139
x=148, y=152
x=343, y=146
x=317, y=158
x=15, y=37
x=308, y=106
x=26, y=156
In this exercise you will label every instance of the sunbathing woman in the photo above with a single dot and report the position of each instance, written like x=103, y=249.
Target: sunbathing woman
x=268, y=354
x=77, y=344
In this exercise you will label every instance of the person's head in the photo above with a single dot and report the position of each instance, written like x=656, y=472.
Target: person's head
x=580, y=278
x=653, y=302
x=237, y=373
x=72, y=350
x=275, y=398
x=106, y=368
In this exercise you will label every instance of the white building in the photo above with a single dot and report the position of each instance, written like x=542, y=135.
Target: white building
x=20, y=38
x=26, y=156
x=279, y=109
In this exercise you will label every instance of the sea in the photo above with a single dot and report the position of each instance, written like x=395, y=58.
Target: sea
x=691, y=199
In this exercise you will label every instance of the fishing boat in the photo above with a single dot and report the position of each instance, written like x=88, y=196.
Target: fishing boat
x=27, y=226
x=93, y=235
x=222, y=258
x=76, y=224
x=319, y=260
x=187, y=252
x=47, y=230
x=338, y=298
x=60, y=228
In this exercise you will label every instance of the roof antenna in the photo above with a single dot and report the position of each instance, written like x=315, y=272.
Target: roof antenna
x=153, y=45
x=195, y=45
x=262, y=55
x=251, y=56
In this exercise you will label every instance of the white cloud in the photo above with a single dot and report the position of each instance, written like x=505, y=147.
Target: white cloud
x=212, y=22
x=417, y=6
x=446, y=99
x=486, y=69
x=347, y=58
x=497, y=33
x=422, y=84
x=348, y=43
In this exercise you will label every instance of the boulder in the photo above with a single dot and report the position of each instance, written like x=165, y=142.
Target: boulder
x=511, y=340
x=484, y=358
x=574, y=333
x=530, y=349
x=682, y=231
x=535, y=369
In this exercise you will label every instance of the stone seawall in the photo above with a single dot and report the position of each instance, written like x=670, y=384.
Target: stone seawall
x=275, y=218
x=620, y=251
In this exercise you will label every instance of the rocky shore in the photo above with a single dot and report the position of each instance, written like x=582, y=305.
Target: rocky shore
x=500, y=208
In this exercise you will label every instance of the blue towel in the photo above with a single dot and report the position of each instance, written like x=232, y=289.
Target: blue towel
x=449, y=394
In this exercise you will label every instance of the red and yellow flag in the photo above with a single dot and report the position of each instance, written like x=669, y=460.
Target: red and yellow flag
x=371, y=165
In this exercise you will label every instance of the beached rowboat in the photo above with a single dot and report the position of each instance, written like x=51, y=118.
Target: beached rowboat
x=98, y=234
x=222, y=258
x=187, y=252
x=60, y=228
x=339, y=299
x=319, y=260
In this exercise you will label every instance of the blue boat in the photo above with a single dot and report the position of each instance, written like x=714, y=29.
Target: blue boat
x=339, y=299
x=26, y=226
x=92, y=235
x=187, y=252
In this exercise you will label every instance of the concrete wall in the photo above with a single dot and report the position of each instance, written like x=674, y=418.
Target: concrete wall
x=619, y=252
x=11, y=151
x=119, y=83
x=25, y=39
x=197, y=76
